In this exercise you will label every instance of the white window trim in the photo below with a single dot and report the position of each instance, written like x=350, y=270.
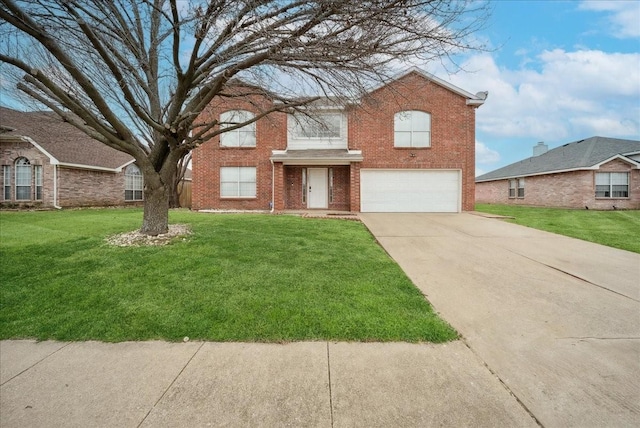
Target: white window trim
x=239, y=182
x=232, y=138
x=133, y=182
x=412, y=131
x=299, y=120
x=610, y=184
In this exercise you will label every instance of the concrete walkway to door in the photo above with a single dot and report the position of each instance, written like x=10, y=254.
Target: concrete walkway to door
x=555, y=318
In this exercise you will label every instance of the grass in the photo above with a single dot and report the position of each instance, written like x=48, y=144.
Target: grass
x=239, y=277
x=618, y=229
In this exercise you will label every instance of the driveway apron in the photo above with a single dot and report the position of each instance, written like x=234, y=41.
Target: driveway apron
x=555, y=318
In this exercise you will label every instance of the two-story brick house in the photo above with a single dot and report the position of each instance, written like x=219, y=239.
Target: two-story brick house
x=407, y=146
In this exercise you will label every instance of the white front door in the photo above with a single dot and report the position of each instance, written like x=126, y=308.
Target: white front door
x=318, y=188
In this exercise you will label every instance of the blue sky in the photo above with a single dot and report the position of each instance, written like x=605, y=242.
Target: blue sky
x=558, y=71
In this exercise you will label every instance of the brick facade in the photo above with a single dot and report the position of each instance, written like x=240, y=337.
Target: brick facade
x=370, y=130
x=572, y=189
x=75, y=187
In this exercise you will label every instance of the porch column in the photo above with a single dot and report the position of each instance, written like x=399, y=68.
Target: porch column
x=354, y=187
x=278, y=186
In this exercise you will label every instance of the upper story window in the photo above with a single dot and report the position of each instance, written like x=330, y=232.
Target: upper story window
x=318, y=125
x=412, y=129
x=612, y=184
x=240, y=137
x=133, y=183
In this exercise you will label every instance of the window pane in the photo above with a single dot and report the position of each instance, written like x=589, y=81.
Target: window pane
x=6, y=173
x=229, y=139
x=402, y=121
x=619, y=178
x=602, y=191
x=420, y=121
x=248, y=189
x=620, y=191
x=246, y=138
x=602, y=178
x=247, y=174
x=23, y=193
x=420, y=139
x=403, y=139
x=229, y=173
x=229, y=189
x=326, y=125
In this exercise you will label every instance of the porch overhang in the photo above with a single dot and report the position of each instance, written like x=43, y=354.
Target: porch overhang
x=316, y=157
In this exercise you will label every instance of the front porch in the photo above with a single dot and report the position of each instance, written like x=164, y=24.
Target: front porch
x=316, y=180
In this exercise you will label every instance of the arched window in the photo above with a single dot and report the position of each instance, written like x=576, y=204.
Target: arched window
x=412, y=129
x=240, y=137
x=23, y=179
x=133, y=183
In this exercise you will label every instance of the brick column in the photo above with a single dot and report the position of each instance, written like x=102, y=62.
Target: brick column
x=354, y=189
x=278, y=180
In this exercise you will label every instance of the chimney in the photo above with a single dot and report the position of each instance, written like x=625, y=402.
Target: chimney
x=540, y=149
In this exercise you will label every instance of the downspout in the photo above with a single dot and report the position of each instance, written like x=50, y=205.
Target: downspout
x=55, y=188
x=273, y=186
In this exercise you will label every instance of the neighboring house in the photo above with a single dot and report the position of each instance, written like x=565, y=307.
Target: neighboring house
x=408, y=146
x=598, y=173
x=47, y=162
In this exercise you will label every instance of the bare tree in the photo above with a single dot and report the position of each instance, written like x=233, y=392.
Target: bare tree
x=136, y=74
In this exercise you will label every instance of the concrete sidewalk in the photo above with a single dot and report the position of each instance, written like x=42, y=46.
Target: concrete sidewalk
x=556, y=319
x=308, y=384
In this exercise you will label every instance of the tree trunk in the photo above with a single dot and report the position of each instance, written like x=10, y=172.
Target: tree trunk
x=155, y=219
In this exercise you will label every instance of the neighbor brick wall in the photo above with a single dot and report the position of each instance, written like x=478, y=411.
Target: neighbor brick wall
x=12, y=150
x=574, y=189
x=84, y=188
x=75, y=187
x=452, y=131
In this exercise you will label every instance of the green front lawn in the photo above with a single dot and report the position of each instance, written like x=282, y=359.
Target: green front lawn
x=239, y=277
x=619, y=229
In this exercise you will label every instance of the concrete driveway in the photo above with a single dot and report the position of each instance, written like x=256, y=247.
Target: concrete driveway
x=555, y=318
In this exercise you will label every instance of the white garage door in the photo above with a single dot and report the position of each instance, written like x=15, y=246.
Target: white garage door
x=409, y=190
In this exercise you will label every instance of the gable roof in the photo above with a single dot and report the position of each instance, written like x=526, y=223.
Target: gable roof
x=475, y=100
x=583, y=154
x=64, y=143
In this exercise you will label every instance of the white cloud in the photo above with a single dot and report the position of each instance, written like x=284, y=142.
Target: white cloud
x=623, y=18
x=485, y=155
x=563, y=95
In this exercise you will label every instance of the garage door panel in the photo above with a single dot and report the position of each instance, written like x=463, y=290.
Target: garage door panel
x=410, y=190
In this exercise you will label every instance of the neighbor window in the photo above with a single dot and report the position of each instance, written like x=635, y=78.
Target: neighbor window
x=23, y=179
x=37, y=170
x=239, y=137
x=133, y=183
x=516, y=188
x=521, y=187
x=6, y=175
x=237, y=182
x=321, y=125
x=612, y=184
x=412, y=129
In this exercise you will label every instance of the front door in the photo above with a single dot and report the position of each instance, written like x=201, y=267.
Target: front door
x=318, y=188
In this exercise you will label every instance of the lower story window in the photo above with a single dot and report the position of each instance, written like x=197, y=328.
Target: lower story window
x=238, y=182
x=133, y=183
x=37, y=170
x=612, y=184
x=516, y=188
x=6, y=175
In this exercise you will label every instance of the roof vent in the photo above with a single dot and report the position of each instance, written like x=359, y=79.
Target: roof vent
x=540, y=148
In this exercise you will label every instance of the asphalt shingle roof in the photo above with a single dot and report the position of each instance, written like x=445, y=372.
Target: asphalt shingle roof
x=579, y=154
x=62, y=140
